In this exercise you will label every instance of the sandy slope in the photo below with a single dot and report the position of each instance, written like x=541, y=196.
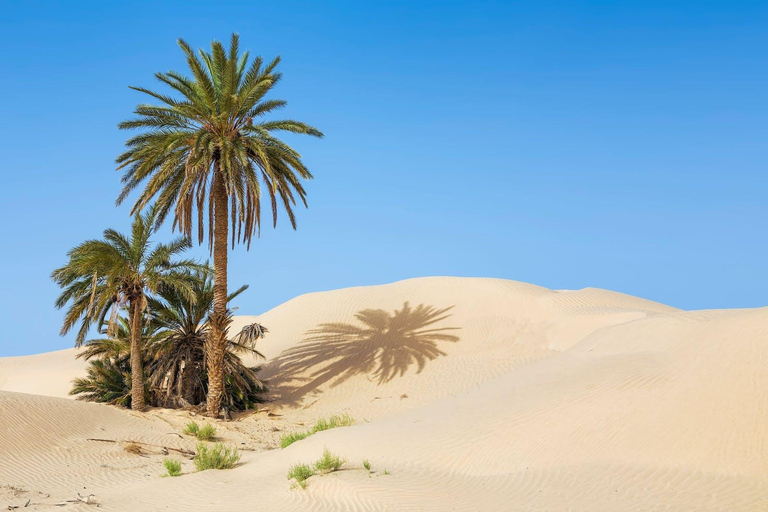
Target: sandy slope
x=475, y=394
x=47, y=374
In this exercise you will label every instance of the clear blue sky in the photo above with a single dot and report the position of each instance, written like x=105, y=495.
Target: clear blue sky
x=620, y=145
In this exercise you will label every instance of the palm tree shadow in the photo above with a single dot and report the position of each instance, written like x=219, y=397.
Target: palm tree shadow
x=383, y=346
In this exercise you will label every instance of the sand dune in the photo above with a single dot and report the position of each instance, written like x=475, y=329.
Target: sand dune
x=473, y=394
x=48, y=374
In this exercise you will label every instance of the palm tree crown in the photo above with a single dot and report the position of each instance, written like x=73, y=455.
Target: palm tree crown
x=217, y=122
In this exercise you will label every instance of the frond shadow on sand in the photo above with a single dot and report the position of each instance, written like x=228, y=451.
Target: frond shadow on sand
x=382, y=346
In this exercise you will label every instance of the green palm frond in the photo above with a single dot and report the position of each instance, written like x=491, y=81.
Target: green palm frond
x=103, y=276
x=106, y=381
x=214, y=119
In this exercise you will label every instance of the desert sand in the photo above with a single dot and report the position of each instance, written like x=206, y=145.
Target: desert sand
x=468, y=394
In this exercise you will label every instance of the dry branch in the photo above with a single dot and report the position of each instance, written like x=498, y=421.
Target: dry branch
x=166, y=448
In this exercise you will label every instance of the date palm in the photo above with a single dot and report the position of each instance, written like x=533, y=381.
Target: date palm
x=108, y=375
x=117, y=272
x=207, y=153
x=178, y=352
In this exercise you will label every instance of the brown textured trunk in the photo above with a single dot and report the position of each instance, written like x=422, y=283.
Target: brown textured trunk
x=216, y=342
x=137, y=371
x=187, y=382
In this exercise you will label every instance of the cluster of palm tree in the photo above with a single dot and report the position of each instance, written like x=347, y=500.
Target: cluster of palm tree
x=157, y=353
x=204, y=153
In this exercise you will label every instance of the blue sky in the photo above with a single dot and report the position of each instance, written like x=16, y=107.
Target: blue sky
x=620, y=145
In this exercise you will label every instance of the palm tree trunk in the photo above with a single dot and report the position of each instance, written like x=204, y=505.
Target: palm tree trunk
x=216, y=342
x=137, y=372
x=187, y=382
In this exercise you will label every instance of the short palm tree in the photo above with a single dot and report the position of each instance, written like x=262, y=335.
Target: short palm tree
x=106, y=380
x=178, y=352
x=210, y=151
x=117, y=272
x=108, y=376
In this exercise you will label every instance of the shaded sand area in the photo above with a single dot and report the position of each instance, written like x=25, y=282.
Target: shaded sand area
x=468, y=394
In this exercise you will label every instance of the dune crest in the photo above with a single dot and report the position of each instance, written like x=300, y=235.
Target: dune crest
x=474, y=394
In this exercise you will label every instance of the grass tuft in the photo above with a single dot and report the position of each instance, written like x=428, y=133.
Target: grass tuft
x=173, y=466
x=343, y=420
x=289, y=439
x=328, y=463
x=367, y=465
x=206, y=433
x=300, y=472
x=192, y=429
x=217, y=456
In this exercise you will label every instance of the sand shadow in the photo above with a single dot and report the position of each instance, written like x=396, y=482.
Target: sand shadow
x=382, y=346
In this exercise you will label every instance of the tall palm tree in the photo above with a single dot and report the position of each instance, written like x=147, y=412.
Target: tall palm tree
x=117, y=272
x=209, y=150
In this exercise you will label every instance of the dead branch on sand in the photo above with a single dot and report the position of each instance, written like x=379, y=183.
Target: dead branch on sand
x=165, y=449
x=88, y=500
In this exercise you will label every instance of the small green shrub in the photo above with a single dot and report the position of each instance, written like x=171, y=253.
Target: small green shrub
x=217, y=456
x=334, y=421
x=386, y=472
x=192, y=429
x=173, y=466
x=289, y=439
x=344, y=420
x=300, y=472
x=206, y=433
x=328, y=463
x=367, y=465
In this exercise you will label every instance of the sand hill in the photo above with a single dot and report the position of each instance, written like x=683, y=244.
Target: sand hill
x=469, y=394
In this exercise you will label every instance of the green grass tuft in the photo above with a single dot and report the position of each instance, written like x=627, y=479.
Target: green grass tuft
x=367, y=465
x=334, y=421
x=289, y=439
x=191, y=429
x=343, y=420
x=328, y=463
x=300, y=472
x=206, y=433
x=217, y=456
x=173, y=466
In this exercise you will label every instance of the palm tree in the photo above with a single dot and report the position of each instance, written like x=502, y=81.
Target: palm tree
x=117, y=272
x=208, y=152
x=108, y=376
x=178, y=353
